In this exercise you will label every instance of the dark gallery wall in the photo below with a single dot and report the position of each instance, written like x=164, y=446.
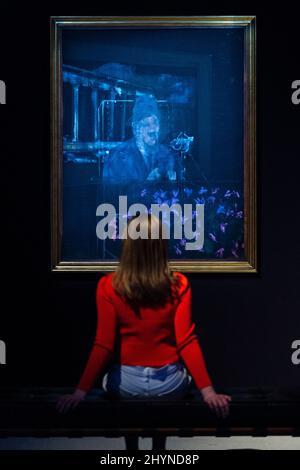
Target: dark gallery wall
x=246, y=323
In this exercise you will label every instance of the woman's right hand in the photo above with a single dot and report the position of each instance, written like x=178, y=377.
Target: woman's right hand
x=70, y=401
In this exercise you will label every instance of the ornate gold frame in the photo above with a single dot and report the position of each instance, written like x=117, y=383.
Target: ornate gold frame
x=250, y=184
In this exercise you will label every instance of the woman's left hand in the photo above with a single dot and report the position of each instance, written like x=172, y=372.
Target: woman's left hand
x=216, y=401
x=70, y=401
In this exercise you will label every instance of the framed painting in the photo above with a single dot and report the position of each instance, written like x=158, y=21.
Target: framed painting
x=154, y=114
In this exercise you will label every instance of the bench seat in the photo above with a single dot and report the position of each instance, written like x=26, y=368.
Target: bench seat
x=253, y=411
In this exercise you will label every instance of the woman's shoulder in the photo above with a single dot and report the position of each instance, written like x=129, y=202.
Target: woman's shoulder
x=105, y=284
x=183, y=282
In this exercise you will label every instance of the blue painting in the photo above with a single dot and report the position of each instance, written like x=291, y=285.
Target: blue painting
x=156, y=116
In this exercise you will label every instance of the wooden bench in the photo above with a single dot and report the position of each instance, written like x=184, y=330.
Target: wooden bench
x=254, y=412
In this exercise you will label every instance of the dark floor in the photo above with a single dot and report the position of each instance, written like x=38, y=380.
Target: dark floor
x=173, y=443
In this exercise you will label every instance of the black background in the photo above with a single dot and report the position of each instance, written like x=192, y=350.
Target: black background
x=246, y=322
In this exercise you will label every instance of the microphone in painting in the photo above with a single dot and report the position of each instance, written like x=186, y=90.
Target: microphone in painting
x=182, y=144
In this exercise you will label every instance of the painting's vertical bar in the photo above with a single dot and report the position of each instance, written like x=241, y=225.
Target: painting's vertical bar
x=250, y=178
x=56, y=160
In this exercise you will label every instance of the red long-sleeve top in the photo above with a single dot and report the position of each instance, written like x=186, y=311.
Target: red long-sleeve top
x=158, y=336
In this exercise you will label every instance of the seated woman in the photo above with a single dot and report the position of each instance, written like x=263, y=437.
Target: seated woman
x=145, y=345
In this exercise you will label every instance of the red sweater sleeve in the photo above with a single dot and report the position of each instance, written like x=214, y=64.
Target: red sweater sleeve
x=104, y=342
x=188, y=345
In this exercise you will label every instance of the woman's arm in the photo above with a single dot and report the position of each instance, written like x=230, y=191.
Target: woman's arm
x=189, y=349
x=102, y=350
x=104, y=342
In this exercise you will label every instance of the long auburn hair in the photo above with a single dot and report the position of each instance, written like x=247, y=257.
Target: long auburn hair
x=144, y=277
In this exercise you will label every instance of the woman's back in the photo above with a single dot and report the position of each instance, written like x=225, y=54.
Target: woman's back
x=157, y=336
x=147, y=337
